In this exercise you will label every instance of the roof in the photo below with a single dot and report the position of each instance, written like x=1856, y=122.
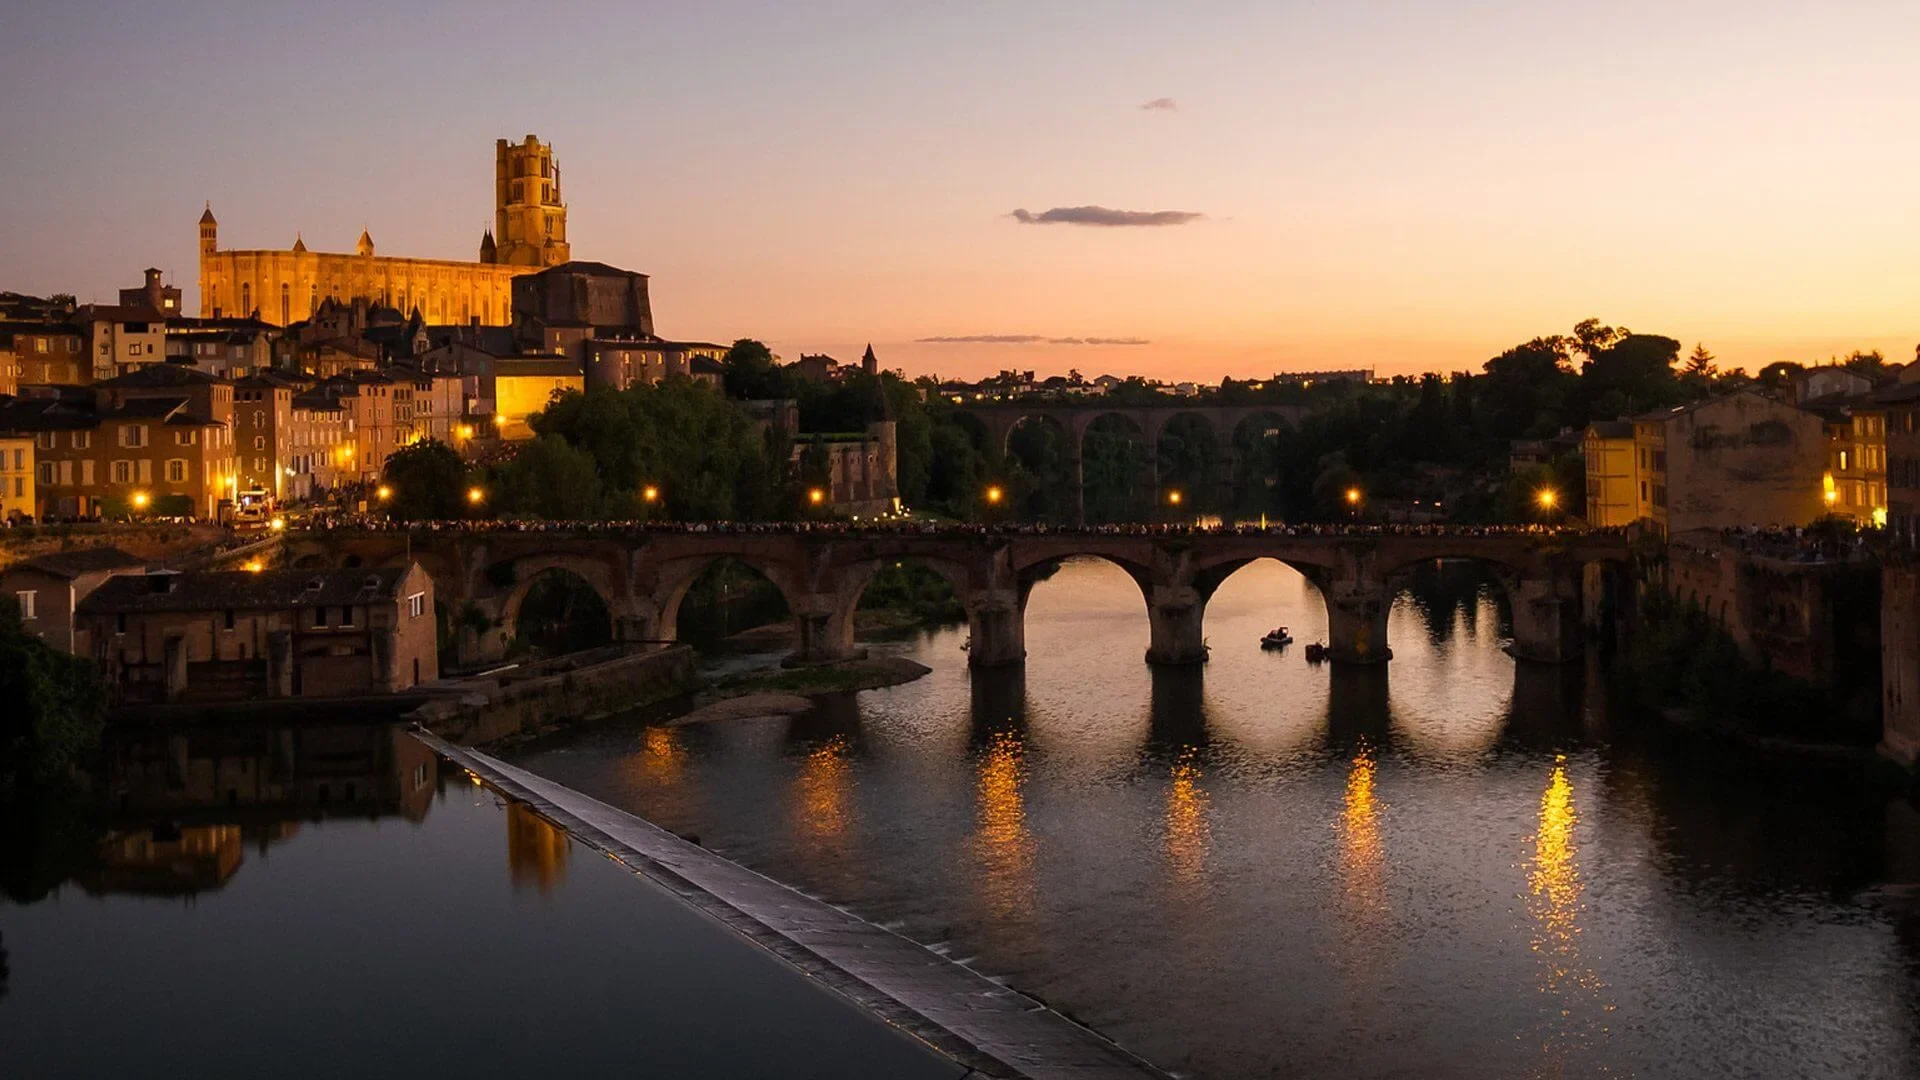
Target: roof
x=160, y=375
x=706, y=365
x=118, y=313
x=591, y=269
x=206, y=216
x=45, y=414
x=219, y=589
x=1611, y=429
x=509, y=366
x=147, y=408
x=72, y=564
x=1898, y=394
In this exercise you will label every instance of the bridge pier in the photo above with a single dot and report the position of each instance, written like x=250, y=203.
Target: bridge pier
x=823, y=635
x=1546, y=620
x=1175, y=614
x=1357, y=621
x=997, y=631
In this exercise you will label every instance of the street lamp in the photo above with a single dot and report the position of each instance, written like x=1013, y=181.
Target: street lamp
x=1353, y=496
x=383, y=493
x=994, y=494
x=650, y=494
x=1173, y=497
x=816, y=496
x=1547, y=498
x=475, y=495
x=140, y=500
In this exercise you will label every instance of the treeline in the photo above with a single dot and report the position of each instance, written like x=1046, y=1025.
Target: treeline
x=1428, y=440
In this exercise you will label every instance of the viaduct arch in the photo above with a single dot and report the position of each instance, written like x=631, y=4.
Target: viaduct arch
x=1075, y=418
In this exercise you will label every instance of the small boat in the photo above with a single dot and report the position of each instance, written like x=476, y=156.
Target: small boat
x=1316, y=652
x=1276, y=638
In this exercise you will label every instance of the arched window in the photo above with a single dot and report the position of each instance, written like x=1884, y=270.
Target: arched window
x=246, y=299
x=286, y=303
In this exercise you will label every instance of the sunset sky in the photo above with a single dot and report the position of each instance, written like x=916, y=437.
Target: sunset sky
x=1404, y=186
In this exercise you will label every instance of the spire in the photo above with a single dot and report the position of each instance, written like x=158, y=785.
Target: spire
x=488, y=251
x=870, y=363
x=206, y=217
x=298, y=243
x=365, y=246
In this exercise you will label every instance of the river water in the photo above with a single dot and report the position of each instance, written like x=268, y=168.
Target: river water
x=1457, y=866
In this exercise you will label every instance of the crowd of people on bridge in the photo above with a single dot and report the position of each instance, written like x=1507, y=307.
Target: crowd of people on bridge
x=909, y=527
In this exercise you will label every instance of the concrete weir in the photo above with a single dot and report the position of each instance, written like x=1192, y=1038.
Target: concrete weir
x=979, y=1023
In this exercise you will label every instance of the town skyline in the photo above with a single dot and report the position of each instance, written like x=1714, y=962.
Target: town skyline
x=1413, y=193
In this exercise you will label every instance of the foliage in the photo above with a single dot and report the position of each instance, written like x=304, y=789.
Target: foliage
x=550, y=478
x=911, y=588
x=428, y=480
x=707, y=459
x=55, y=705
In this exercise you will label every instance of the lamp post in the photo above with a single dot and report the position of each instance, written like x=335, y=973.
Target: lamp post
x=1548, y=500
x=1354, y=498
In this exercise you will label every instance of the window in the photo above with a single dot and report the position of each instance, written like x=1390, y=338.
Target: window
x=73, y=345
x=226, y=617
x=119, y=624
x=82, y=440
x=40, y=345
x=25, y=599
x=122, y=471
x=1843, y=461
x=185, y=438
x=346, y=616
x=176, y=470
x=133, y=435
x=259, y=442
x=1643, y=491
x=320, y=616
x=86, y=472
x=44, y=440
x=416, y=605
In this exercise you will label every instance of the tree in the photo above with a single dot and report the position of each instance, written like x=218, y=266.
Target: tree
x=1591, y=338
x=55, y=705
x=1871, y=364
x=428, y=482
x=1778, y=376
x=1526, y=389
x=553, y=479
x=1639, y=367
x=753, y=374
x=1700, y=363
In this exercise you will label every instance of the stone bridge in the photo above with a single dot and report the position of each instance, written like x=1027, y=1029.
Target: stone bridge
x=1076, y=417
x=643, y=575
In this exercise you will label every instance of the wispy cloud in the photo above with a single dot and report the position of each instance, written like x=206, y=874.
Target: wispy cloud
x=1161, y=104
x=1028, y=339
x=1103, y=217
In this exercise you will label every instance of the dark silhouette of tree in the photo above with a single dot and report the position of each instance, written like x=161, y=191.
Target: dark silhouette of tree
x=428, y=481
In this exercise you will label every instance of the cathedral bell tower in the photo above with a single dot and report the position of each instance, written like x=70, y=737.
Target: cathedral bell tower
x=529, y=218
x=209, y=247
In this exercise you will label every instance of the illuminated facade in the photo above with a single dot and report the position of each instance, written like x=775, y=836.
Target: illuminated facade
x=284, y=286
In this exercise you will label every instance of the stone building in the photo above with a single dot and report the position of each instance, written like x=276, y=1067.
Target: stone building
x=227, y=636
x=1737, y=459
x=48, y=589
x=121, y=339
x=283, y=286
x=18, y=498
x=154, y=295
x=42, y=354
x=1901, y=410
x=862, y=470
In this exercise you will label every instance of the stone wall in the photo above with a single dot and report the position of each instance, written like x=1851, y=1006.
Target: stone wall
x=1900, y=663
x=581, y=686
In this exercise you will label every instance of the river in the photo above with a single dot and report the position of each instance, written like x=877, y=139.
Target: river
x=1454, y=866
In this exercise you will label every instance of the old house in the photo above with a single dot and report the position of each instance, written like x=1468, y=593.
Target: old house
x=49, y=588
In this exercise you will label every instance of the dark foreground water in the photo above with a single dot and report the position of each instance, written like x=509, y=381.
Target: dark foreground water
x=1457, y=867
x=332, y=902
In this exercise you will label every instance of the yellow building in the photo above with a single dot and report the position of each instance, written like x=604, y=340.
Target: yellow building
x=1856, y=480
x=16, y=477
x=1729, y=460
x=523, y=386
x=286, y=286
x=1613, y=474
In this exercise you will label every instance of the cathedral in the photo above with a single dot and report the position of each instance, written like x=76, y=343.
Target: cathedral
x=283, y=287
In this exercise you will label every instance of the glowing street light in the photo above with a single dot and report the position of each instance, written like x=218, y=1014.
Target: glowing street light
x=650, y=494
x=1547, y=498
x=383, y=493
x=499, y=420
x=1173, y=497
x=1353, y=496
x=816, y=496
x=278, y=524
x=994, y=494
x=475, y=495
x=465, y=431
x=140, y=500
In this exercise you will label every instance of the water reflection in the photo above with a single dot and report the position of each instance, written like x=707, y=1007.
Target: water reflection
x=1555, y=893
x=1002, y=843
x=821, y=791
x=1363, y=854
x=536, y=850
x=1187, y=830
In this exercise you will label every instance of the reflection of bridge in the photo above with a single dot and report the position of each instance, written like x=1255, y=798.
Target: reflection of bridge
x=1075, y=418
x=643, y=575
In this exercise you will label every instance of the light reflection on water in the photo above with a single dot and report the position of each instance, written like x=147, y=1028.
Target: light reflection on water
x=1453, y=866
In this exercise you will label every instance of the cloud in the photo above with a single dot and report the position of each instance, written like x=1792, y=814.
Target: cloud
x=1028, y=339
x=1102, y=216
x=1162, y=104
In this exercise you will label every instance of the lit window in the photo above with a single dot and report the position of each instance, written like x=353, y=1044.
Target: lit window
x=25, y=598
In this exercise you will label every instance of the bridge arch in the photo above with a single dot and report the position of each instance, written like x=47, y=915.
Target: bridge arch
x=528, y=570
x=675, y=577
